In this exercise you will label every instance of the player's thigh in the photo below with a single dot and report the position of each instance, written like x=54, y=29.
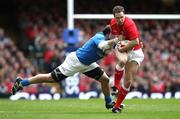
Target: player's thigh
x=121, y=57
x=136, y=55
x=71, y=65
x=57, y=75
x=131, y=69
x=95, y=73
x=104, y=78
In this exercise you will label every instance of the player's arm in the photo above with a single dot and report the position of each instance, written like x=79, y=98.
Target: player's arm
x=104, y=45
x=129, y=46
x=132, y=35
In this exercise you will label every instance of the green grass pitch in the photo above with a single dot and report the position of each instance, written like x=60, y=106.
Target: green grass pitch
x=89, y=109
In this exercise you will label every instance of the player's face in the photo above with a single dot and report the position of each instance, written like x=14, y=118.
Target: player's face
x=119, y=17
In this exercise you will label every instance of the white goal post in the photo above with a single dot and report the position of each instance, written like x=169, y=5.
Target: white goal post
x=133, y=16
x=71, y=16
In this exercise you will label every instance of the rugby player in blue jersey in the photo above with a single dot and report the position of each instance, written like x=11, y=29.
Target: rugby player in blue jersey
x=84, y=61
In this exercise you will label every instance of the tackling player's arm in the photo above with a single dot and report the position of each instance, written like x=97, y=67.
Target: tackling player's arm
x=104, y=45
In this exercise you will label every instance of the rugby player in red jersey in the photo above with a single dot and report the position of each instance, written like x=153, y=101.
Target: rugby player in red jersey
x=129, y=56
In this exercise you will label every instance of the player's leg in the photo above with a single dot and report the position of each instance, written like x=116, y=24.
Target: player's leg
x=130, y=71
x=55, y=76
x=99, y=75
x=40, y=78
x=104, y=80
x=60, y=73
x=119, y=69
x=67, y=68
x=134, y=60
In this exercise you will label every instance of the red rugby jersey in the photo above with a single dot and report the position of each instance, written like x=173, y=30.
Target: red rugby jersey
x=128, y=29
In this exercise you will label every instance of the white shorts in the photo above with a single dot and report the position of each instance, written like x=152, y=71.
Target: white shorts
x=136, y=55
x=72, y=65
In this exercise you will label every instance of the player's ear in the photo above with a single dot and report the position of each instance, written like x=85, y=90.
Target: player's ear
x=106, y=30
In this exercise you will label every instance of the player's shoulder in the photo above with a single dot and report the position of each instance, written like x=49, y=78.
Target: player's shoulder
x=113, y=22
x=129, y=20
x=98, y=35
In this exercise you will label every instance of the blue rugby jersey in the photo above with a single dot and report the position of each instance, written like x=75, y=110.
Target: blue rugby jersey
x=90, y=52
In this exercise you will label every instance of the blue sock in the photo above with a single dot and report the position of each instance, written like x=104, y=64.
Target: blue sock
x=108, y=99
x=25, y=82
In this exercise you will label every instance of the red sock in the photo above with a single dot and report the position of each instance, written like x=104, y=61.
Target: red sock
x=117, y=78
x=121, y=95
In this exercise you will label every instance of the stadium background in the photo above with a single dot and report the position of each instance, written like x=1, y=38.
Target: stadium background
x=33, y=40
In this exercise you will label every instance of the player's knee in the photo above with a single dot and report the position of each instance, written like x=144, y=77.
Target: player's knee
x=50, y=78
x=104, y=79
x=57, y=75
x=122, y=62
x=128, y=80
x=127, y=83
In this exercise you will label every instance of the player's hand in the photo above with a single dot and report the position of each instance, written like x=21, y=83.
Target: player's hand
x=121, y=49
x=122, y=46
x=120, y=37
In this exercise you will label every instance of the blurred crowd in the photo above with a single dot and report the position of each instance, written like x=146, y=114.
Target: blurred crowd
x=132, y=7
x=42, y=48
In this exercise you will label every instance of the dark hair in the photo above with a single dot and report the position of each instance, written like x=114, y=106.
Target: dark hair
x=118, y=9
x=106, y=30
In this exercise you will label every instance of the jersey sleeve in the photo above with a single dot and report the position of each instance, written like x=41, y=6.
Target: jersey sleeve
x=113, y=27
x=99, y=39
x=131, y=32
